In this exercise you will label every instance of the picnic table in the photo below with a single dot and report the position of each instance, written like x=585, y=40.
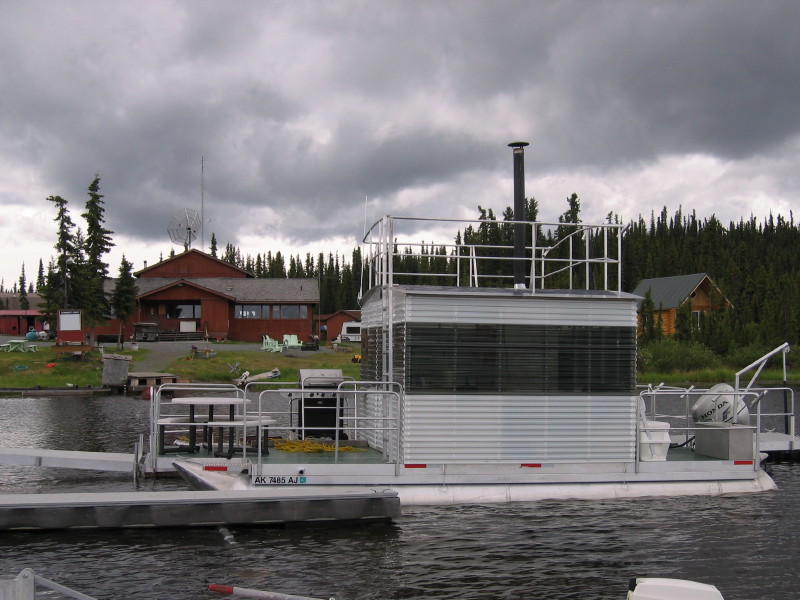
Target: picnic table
x=19, y=346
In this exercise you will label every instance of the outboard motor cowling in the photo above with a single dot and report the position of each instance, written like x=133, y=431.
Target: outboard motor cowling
x=721, y=405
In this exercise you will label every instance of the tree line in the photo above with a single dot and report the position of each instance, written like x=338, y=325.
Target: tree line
x=754, y=263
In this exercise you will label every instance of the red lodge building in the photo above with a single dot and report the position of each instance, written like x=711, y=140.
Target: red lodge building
x=194, y=295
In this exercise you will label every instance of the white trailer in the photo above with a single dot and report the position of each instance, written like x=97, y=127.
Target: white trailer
x=351, y=332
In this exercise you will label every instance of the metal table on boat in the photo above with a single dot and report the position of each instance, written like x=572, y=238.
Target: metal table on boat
x=211, y=401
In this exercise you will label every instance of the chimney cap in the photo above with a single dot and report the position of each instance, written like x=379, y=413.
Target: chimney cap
x=517, y=144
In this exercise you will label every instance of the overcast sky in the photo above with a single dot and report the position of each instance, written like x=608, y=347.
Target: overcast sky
x=309, y=115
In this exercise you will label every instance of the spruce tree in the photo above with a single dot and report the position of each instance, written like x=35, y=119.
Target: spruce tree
x=123, y=297
x=213, y=247
x=58, y=285
x=40, y=276
x=24, y=304
x=96, y=244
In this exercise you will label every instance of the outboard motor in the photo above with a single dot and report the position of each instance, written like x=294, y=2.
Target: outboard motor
x=720, y=405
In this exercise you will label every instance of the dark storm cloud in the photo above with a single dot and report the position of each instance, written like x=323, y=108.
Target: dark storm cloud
x=716, y=77
x=303, y=109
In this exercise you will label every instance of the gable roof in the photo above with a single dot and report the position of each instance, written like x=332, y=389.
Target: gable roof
x=11, y=299
x=154, y=287
x=236, y=288
x=186, y=255
x=669, y=292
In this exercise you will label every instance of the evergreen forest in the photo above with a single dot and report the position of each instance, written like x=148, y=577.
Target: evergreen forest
x=756, y=265
x=753, y=262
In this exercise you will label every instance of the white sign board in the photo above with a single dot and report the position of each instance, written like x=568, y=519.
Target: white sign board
x=69, y=320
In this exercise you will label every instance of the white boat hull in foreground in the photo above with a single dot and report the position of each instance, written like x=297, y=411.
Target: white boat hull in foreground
x=415, y=490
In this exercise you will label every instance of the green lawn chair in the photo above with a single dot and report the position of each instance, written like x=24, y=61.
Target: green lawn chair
x=271, y=345
x=291, y=341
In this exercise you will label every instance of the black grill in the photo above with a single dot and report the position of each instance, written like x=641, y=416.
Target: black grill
x=316, y=406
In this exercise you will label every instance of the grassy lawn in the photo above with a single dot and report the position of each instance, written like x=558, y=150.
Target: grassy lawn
x=46, y=369
x=216, y=369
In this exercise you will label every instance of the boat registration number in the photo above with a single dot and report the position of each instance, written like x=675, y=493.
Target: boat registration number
x=264, y=480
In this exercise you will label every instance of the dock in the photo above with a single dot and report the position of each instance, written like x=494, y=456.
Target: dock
x=53, y=392
x=119, y=462
x=189, y=509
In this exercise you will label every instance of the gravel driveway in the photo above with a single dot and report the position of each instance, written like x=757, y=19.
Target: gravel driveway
x=160, y=354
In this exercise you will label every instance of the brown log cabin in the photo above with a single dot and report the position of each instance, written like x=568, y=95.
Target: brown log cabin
x=669, y=293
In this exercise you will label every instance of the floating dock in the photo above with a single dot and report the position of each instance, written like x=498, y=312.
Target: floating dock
x=119, y=462
x=189, y=509
x=49, y=392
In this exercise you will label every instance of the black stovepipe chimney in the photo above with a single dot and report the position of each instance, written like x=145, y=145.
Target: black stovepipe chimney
x=519, y=213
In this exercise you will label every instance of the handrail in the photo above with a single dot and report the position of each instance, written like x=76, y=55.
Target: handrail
x=789, y=418
x=753, y=398
x=383, y=248
x=760, y=363
x=354, y=422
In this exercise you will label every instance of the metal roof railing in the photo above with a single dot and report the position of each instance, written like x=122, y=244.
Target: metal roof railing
x=557, y=255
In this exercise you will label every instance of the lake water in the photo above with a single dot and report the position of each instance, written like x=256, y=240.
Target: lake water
x=748, y=545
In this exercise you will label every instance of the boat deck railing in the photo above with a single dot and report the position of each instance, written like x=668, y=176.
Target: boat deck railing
x=346, y=412
x=770, y=409
x=351, y=412
x=557, y=255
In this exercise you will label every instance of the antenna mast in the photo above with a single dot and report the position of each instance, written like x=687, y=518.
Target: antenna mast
x=202, y=204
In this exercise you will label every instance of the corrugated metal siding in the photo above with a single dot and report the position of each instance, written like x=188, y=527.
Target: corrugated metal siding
x=371, y=337
x=522, y=310
x=481, y=426
x=547, y=429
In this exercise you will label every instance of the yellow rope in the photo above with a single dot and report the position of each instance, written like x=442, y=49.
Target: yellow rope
x=312, y=446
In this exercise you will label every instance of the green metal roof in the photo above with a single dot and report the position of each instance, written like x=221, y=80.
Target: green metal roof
x=669, y=292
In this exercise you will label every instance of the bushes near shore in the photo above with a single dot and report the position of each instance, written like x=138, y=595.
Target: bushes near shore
x=669, y=360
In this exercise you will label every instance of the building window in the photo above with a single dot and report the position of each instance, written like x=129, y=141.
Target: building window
x=183, y=311
x=291, y=311
x=263, y=311
x=251, y=311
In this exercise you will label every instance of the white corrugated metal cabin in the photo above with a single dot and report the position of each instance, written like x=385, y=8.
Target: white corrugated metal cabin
x=502, y=375
x=494, y=374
